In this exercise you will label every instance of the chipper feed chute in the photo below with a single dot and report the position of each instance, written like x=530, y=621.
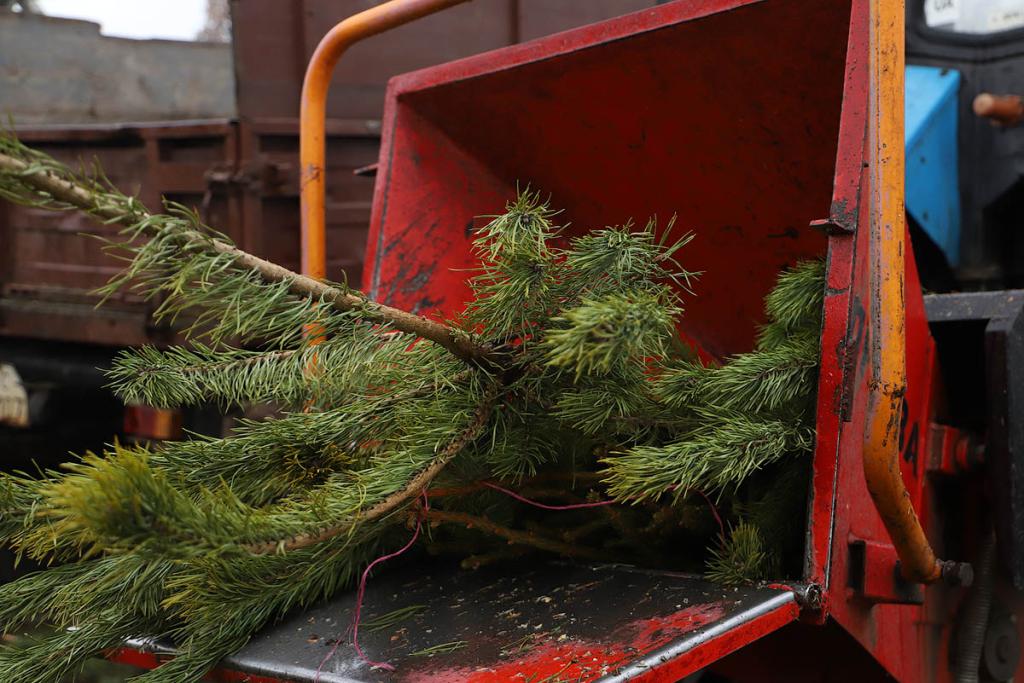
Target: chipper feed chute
x=772, y=130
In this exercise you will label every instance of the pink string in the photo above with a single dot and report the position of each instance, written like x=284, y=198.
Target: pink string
x=362, y=593
x=544, y=506
x=578, y=506
x=711, y=505
x=714, y=511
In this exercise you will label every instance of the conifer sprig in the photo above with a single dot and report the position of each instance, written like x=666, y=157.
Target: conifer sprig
x=713, y=458
x=740, y=559
x=594, y=337
x=291, y=377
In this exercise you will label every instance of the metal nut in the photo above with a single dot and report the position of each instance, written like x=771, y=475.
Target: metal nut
x=957, y=573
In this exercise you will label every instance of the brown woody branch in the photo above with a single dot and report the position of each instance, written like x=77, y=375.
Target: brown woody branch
x=112, y=208
x=513, y=536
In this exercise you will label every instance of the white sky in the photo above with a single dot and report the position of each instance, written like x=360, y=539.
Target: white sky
x=175, y=19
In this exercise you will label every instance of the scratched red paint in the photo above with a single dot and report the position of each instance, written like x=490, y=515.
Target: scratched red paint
x=583, y=660
x=145, y=660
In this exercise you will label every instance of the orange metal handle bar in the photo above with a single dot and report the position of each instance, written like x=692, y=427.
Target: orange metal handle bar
x=888, y=377
x=1007, y=110
x=312, y=117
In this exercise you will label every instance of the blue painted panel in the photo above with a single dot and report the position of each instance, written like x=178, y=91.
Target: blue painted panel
x=933, y=192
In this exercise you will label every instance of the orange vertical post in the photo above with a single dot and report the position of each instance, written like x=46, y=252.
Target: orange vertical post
x=312, y=116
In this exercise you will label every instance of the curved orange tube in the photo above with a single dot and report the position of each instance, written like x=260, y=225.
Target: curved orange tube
x=888, y=378
x=314, y=111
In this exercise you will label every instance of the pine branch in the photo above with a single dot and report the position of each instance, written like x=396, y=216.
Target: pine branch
x=713, y=458
x=798, y=296
x=220, y=604
x=514, y=292
x=524, y=441
x=795, y=305
x=766, y=381
x=40, y=181
x=620, y=403
x=265, y=460
x=392, y=502
x=19, y=497
x=24, y=525
x=352, y=362
x=182, y=377
x=69, y=594
x=611, y=260
x=132, y=500
x=64, y=653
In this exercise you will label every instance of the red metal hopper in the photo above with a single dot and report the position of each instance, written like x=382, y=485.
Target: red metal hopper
x=750, y=122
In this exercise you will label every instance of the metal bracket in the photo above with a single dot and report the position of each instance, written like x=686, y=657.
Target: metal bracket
x=874, y=573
